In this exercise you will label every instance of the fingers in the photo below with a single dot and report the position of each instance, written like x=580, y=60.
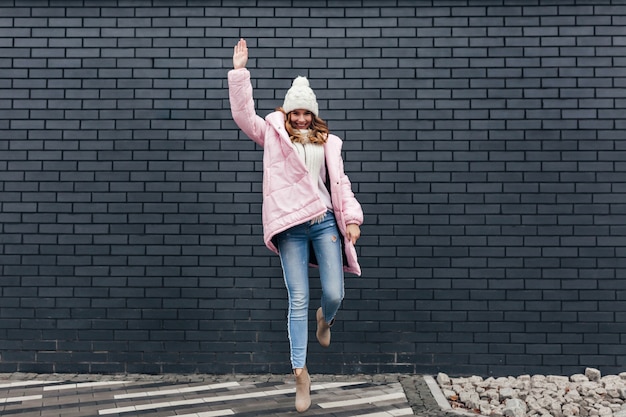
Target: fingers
x=241, y=46
x=240, y=54
x=353, y=233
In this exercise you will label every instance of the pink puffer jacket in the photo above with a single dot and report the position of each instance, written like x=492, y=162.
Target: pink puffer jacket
x=290, y=195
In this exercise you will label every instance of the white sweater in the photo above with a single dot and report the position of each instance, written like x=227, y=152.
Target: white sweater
x=313, y=157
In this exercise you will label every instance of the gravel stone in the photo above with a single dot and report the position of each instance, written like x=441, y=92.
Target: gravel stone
x=588, y=395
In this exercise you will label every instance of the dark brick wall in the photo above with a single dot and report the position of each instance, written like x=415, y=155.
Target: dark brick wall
x=485, y=140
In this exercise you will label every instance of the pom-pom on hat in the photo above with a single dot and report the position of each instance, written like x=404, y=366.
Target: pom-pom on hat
x=300, y=96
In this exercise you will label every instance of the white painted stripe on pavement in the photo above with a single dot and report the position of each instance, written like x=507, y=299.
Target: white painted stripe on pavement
x=391, y=413
x=184, y=390
x=206, y=400
x=118, y=410
x=436, y=392
x=84, y=385
x=196, y=401
x=329, y=385
x=402, y=412
x=20, y=399
x=367, y=400
x=218, y=413
x=26, y=383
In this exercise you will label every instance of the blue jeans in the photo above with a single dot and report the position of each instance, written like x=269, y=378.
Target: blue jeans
x=294, y=248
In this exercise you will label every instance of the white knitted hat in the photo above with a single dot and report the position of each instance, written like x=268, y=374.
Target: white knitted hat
x=300, y=96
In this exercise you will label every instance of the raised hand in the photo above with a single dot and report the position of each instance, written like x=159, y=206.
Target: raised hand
x=240, y=54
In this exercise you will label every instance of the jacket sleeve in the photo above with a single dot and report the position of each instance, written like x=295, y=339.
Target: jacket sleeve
x=352, y=211
x=242, y=105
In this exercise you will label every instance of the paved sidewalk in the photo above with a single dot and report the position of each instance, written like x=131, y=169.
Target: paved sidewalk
x=71, y=395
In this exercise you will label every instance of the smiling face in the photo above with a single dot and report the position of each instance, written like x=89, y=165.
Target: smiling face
x=300, y=119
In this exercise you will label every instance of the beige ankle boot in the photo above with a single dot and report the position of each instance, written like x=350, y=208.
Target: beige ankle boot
x=303, y=390
x=323, y=328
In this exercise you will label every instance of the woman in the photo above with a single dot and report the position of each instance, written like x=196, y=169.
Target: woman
x=310, y=214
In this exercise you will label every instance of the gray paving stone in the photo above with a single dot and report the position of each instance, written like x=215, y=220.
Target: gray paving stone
x=75, y=395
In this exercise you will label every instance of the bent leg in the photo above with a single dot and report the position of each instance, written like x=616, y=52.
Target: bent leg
x=327, y=245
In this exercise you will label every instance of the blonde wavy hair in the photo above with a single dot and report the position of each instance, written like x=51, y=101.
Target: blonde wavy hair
x=318, y=128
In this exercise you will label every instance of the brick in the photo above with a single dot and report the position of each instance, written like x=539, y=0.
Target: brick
x=485, y=160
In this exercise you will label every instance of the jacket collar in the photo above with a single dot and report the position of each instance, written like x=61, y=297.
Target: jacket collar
x=277, y=121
